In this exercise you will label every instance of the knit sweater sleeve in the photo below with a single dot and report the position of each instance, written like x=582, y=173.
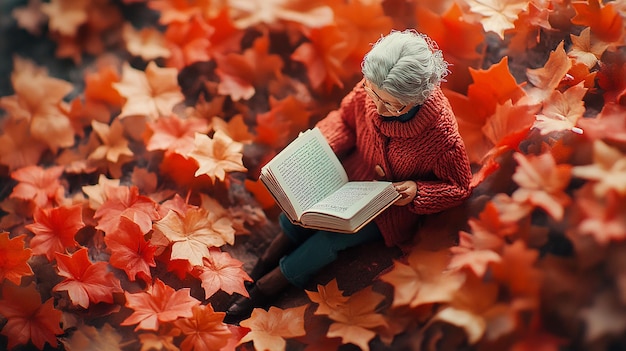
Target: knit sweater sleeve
x=454, y=175
x=339, y=125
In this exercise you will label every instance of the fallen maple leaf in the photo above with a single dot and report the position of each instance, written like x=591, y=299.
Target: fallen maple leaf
x=603, y=19
x=37, y=184
x=159, y=304
x=268, y=329
x=37, y=99
x=236, y=128
x=188, y=42
x=152, y=93
x=608, y=170
x=96, y=193
x=608, y=125
x=126, y=201
x=130, y=251
x=14, y=264
x=311, y=13
x=221, y=271
x=55, y=229
x=217, y=155
x=151, y=341
x=328, y=297
x=424, y=279
x=193, y=232
x=241, y=74
x=204, y=330
x=602, y=216
x=180, y=11
x=356, y=320
x=496, y=15
x=173, y=134
x=518, y=272
x=18, y=148
x=147, y=43
x=561, y=111
x=542, y=183
x=548, y=77
x=27, y=319
x=66, y=16
x=85, y=281
x=87, y=337
x=114, y=148
x=30, y=17
x=584, y=50
x=604, y=317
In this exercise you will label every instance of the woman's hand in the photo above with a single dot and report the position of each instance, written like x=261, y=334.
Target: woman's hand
x=408, y=190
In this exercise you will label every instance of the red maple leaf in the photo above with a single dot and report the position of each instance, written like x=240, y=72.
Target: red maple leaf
x=281, y=124
x=130, y=251
x=14, y=262
x=173, y=134
x=41, y=185
x=160, y=303
x=604, y=20
x=222, y=272
x=18, y=148
x=126, y=201
x=188, y=42
x=55, y=229
x=27, y=318
x=204, y=330
x=85, y=281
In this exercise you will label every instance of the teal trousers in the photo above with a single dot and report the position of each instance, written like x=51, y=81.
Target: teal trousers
x=318, y=248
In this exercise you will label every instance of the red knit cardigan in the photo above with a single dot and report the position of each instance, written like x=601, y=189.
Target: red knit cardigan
x=426, y=149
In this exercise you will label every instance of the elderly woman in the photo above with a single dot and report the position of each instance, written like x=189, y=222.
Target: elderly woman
x=395, y=125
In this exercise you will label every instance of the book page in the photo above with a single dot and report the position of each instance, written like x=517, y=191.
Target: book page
x=308, y=170
x=350, y=198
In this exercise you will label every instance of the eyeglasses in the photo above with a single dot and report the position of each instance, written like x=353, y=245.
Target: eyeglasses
x=388, y=106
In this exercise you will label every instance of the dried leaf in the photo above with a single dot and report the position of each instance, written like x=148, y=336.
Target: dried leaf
x=217, y=156
x=55, y=229
x=222, y=272
x=204, y=330
x=130, y=251
x=268, y=329
x=14, y=264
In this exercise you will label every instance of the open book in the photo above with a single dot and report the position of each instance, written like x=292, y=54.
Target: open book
x=311, y=186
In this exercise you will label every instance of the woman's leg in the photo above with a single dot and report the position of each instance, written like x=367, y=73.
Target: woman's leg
x=319, y=250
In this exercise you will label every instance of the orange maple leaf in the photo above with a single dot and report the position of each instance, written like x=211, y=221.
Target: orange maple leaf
x=562, y=110
x=18, y=148
x=282, y=123
x=424, y=279
x=607, y=171
x=308, y=13
x=96, y=193
x=517, y=270
x=218, y=155
x=30, y=17
x=221, y=271
x=526, y=33
x=126, y=201
x=584, y=50
x=328, y=297
x=147, y=43
x=236, y=128
x=180, y=10
x=604, y=20
x=27, y=318
x=130, y=251
x=193, y=232
x=66, y=16
x=241, y=74
x=99, y=85
x=37, y=99
x=159, y=304
x=268, y=329
x=152, y=93
x=548, y=77
x=356, y=320
x=509, y=124
x=324, y=55
x=204, y=330
x=602, y=217
x=496, y=15
x=188, y=42
x=42, y=186
x=14, y=264
x=114, y=146
x=85, y=281
x=54, y=229
x=612, y=79
x=542, y=183
x=174, y=134
x=151, y=341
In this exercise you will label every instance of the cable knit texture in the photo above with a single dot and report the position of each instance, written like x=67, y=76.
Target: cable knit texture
x=426, y=149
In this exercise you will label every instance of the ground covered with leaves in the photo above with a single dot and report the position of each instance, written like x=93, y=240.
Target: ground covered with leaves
x=133, y=132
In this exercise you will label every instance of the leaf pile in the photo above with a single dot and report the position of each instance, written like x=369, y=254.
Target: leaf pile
x=125, y=190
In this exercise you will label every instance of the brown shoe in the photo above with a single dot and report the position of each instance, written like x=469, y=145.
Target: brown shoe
x=280, y=246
